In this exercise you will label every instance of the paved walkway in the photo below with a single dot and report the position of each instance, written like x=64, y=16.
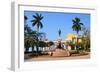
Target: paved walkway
x=60, y=53
x=48, y=58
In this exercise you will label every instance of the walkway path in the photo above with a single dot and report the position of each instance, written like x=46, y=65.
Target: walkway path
x=48, y=58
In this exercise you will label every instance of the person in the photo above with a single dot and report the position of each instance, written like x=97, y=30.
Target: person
x=51, y=53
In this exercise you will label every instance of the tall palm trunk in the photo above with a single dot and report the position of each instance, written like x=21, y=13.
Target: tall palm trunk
x=37, y=40
x=37, y=46
x=32, y=48
x=77, y=42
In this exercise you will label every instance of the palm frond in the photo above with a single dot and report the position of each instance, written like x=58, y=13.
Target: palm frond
x=25, y=17
x=35, y=17
x=41, y=25
x=81, y=24
x=32, y=20
x=34, y=23
x=77, y=19
x=73, y=21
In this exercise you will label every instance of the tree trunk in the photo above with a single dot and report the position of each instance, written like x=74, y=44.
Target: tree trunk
x=37, y=47
x=77, y=42
x=37, y=41
x=27, y=50
x=32, y=48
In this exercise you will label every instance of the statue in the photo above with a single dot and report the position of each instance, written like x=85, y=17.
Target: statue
x=59, y=44
x=59, y=32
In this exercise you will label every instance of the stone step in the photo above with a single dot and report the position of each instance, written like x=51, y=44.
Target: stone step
x=60, y=52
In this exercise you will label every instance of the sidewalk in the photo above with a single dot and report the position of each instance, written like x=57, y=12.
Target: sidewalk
x=47, y=58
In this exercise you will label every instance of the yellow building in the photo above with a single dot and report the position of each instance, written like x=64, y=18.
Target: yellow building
x=73, y=37
x=70, y=37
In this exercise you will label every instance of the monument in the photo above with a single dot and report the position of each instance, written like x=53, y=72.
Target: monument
x=60, y=51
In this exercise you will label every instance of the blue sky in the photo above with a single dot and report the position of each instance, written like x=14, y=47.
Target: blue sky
x=53, y=21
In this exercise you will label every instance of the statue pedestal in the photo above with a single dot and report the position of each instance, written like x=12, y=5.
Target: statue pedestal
x=60, y=53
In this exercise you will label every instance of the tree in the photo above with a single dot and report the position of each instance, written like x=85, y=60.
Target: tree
x=33, y=36
x=37, y=22
x=27, y=29
x=86, y=38
x=27, y=44
x=26, y=38
x=49, y=44
x=42, y=44
x=41, y=36
x=25, y=20
x=29, y=36
x=86, y=31
x=30, y=40
x=71, y=43
x=77, y=26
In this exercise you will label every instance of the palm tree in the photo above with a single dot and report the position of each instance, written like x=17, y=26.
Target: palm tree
x=26, y=39
x=77, y=26
x=25, y=19
x=27, y=29
x=37, y=22
x=25, y=23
